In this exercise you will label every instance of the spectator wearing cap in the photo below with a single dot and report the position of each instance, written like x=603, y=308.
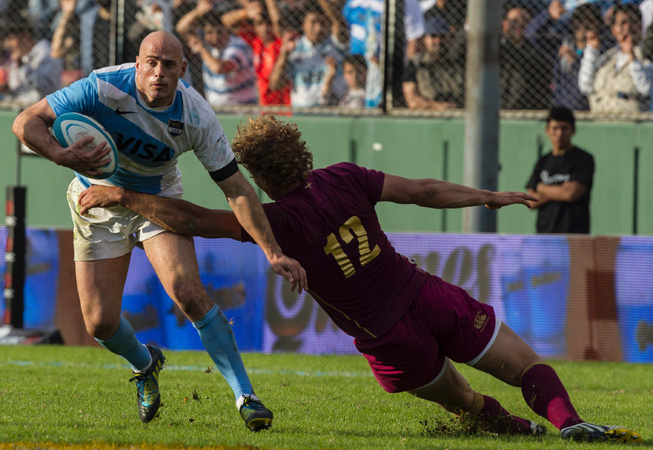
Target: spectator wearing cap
x=430, y=80
x=620, y=79
x=32, y=72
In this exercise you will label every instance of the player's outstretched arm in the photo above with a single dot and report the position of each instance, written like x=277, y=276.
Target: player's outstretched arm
x=173, y=214
x=250, y=214
x=431, y=193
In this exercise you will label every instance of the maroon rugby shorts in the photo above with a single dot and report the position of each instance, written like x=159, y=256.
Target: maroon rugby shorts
x=443, y=321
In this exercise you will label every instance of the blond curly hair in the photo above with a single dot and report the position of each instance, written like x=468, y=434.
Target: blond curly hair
x=273, y=151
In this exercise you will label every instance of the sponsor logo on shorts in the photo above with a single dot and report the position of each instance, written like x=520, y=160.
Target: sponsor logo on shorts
x=480, y=321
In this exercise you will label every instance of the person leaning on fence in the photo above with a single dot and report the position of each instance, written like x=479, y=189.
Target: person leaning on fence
x=410, y=325
x=431, y=81
x=32, y=72
x=562, y=179
x=146, y=104
x=620, y=79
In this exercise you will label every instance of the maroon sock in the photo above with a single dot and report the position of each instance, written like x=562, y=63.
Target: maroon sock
x=545, y=394
x=500, y=421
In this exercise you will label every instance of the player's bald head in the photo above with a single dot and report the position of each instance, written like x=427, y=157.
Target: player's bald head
x=159, y=66
x=161, y=41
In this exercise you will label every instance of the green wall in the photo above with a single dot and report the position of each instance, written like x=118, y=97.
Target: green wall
x=413, y=147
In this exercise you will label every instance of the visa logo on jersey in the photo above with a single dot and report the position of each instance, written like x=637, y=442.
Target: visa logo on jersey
x=147, y=151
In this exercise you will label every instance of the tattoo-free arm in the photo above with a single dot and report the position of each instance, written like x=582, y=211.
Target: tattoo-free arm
x=31, y=128
x=431, y=193
x=569, y=191
x=173, y=214
x=250, y=214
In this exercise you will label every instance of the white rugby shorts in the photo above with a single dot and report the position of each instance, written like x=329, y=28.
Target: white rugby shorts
x=104, y=233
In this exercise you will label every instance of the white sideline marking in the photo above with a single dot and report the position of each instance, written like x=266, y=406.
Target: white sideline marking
x=299, y=373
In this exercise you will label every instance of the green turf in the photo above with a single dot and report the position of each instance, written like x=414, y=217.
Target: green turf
x=69, y=395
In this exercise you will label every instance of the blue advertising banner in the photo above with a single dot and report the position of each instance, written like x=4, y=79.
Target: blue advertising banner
x=566, y=296
x=233, y=276
x=41, y=277
x=634, y=291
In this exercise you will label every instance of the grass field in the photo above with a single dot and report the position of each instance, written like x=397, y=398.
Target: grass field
x=80, y=398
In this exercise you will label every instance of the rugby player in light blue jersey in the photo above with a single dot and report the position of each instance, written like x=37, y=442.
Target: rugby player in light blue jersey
x=153, y=117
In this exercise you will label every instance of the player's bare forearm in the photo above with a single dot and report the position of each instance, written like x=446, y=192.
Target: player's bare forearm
x=176, y=215
x=439, y=194
x=31, y=128
x=250, y=214
x=184, y=217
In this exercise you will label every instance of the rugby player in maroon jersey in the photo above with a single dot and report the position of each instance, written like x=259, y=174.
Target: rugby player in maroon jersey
x=408, y=323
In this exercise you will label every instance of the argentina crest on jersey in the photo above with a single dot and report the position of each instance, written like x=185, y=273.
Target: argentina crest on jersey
x=175, y=127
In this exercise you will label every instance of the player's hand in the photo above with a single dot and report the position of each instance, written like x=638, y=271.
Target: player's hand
x=98, y=197
x=82, y=159
x=501, y=199
x=291, y=271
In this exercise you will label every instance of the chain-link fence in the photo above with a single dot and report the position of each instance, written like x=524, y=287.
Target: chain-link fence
x=359, y=56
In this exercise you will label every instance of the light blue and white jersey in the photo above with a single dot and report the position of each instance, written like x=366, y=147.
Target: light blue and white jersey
x=364, y=17
x=307, y=70
x=149, y=140
x=237, y=86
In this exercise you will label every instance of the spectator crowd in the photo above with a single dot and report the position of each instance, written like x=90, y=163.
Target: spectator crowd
x=592, y=55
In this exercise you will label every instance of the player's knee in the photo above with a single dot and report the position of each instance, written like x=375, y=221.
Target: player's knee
x=192, y=300
x=100, y=327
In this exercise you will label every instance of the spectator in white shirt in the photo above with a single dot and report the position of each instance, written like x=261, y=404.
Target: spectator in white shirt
x=619, y=80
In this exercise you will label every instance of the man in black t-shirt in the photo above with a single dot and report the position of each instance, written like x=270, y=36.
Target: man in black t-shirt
x=562, y=179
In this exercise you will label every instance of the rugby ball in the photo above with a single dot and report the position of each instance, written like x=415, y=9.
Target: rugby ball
x=69, y=128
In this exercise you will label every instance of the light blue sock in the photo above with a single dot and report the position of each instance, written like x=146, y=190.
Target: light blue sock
x=125, y=344
x=219, y=341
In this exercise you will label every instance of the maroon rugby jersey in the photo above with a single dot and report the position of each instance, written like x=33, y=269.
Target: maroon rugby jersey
x=329, y=225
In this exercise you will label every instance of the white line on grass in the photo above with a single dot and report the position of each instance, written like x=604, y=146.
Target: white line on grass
x=299, y=373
